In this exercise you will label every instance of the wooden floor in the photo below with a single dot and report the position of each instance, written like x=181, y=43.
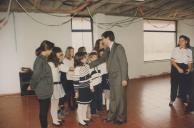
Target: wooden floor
x=147, y=108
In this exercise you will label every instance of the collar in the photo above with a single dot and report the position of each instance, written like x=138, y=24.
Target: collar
x=182, y=48
x=110, y=46
x=43, y=57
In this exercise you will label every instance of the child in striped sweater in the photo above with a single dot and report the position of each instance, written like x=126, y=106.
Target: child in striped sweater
x=82, y=86
x=105, y=83
x=95, y=86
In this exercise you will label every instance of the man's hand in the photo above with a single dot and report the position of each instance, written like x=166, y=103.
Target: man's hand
x=124, y=83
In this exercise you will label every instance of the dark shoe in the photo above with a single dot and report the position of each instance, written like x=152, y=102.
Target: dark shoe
x=107, y=120
x=189, y=109
x=62, y=114
x=61, y=121
x=83, y=125
x=171, y=104
x=119, y=122
x=88, y=121
x=100, y=110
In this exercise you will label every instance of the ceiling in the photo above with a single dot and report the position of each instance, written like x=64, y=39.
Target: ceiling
x=151, y=9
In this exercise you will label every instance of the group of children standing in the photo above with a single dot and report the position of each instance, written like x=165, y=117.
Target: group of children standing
x=70, y=79
x=91, y=87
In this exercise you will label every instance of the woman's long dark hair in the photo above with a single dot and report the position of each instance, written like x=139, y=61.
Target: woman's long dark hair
x=81, y=49
x=53, y=56
x=78, y=57
x=45, y=45
x=187, y=39
x=97, y=45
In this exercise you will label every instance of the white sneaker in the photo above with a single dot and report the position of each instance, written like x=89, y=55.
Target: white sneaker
x=82, y=123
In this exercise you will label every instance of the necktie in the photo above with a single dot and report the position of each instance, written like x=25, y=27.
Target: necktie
x=108, y=57
x=108, y=52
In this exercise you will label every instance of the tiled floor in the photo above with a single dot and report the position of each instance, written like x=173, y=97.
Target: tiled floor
x=147, y=108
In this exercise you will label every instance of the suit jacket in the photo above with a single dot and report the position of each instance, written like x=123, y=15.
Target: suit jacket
x=116, y=63
x=192, y=49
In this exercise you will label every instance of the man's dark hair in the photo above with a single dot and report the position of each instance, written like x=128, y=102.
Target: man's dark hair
x=109, y=34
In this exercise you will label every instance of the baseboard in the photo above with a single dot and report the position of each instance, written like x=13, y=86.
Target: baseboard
x=139, y=77
x=11, y=94
x=151, y=76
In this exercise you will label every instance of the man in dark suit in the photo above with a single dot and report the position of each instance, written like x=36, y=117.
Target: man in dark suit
x=117, y=66
x=190, y=107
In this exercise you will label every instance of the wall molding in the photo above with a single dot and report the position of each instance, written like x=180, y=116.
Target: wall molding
x=10, y=94
x=151, y=76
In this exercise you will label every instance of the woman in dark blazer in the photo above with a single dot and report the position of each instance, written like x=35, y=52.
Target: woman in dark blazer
x=42, y=81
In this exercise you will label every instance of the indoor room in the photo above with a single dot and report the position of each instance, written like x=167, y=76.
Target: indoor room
x=97, y=63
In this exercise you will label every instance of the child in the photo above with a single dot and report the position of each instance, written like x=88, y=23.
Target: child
x=58, y=92
x=105, y=83
x=82, y=86
x=41, y=81
x=95, y=86
x=66, y=66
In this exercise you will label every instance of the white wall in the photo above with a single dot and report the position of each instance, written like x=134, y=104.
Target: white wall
x=131, y=38
x=184, y=28
x=20, y=51
x=9, y=70
x=29, y=35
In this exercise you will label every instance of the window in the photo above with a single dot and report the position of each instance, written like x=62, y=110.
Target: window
x=82, y=33
x=159, y=39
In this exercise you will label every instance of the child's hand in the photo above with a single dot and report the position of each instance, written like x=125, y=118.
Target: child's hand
x=29, y=88
x=71, y=69
x=89, y=61
x=76, y=95
x=92, y=90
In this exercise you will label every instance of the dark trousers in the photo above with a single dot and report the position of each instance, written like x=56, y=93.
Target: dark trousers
x=190, y=106
x=96, y=103
x=69, y=98
x=43, y=114
x=70, y=92
x=180, y=82
x=118, y=101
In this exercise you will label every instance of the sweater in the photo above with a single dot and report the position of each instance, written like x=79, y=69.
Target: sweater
x=42, y=80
